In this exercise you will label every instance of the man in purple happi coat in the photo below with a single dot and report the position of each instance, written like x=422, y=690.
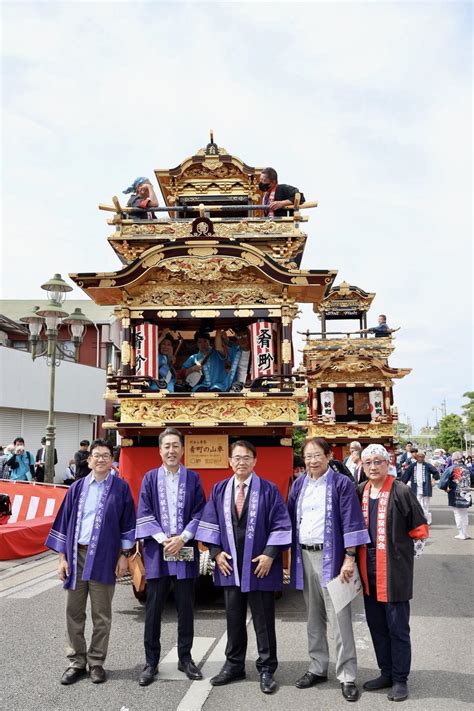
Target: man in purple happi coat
x=93, y=533
x=246, y=526
x=169, y=508
x=327, y=526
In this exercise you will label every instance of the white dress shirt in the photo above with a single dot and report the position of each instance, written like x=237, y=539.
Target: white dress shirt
x=419, y=478
x=172, y=482
x=246, y=487
x=94, y=493
x=313, y=511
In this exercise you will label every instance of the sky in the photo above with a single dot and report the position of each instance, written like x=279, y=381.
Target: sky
x=365, y=106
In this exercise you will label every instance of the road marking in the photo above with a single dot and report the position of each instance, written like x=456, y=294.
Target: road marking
x=17, y=566
x=28, y=576
x=197, y=694
x=168, y=667
x=13, y=589
x=36, y=589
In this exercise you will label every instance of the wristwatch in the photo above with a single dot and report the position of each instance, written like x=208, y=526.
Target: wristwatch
x=351, y=554
x=127, y=553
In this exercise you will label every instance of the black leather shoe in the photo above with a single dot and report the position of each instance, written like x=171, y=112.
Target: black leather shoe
x=309, y=679
x=190, y=669
x=267, y=683
x=350, y=691
x=147, y=675
x=399, y=692
x=72, y=674
x=225, y=677
x=97, y=674
x=381, y=682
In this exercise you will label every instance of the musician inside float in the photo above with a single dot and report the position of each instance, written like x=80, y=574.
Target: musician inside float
x=166, y=362
x=205, y=370
x=239, y=356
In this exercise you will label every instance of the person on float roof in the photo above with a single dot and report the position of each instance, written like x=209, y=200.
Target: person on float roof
x=143, y=196
x=277, y=197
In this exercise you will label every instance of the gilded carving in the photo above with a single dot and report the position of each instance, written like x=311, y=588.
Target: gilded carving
x=243, y=313
x=252, y=258
x=286, y=351
x=202, y=251
x=212, y=269
x=167, y=314
x=107, y=282
x=125, y=353
x=300, y=280
x=205, y=313
x=250, y=411
x=152, y=260
x=153, y=228
x=339, y=429
x=190, y=295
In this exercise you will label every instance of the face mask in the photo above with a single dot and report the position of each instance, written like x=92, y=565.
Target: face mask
x=263, y=187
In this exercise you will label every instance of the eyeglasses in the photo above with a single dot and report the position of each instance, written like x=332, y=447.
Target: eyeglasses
x=374, y=462
x=245, y=460
x=98, y=457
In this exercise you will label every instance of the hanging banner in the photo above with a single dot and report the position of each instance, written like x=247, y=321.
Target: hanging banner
x=146, y=350
x=263, y=350
x=376, y=404
x=327, y=405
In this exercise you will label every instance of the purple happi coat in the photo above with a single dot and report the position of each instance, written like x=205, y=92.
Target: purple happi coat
x=344, y=526
x=114, y=522
x=268, y=524
x=153, y=518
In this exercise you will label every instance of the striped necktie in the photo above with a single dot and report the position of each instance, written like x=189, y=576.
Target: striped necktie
x=240, y=501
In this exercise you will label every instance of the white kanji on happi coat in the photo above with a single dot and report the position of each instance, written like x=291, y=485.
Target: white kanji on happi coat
x=376, y=404
x=146, y=350
x=263, y=350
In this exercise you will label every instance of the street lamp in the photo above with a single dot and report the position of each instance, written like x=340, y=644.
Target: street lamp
x=52, y=315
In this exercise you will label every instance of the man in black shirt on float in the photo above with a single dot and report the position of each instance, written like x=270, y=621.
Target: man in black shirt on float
x=277, y=198
x=80, y=459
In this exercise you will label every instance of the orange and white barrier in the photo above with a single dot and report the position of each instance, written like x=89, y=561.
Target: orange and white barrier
x=34, y=507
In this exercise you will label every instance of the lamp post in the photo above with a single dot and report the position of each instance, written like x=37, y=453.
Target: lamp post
x=52, y=315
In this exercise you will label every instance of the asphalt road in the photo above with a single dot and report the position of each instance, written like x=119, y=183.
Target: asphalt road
x=32, y=639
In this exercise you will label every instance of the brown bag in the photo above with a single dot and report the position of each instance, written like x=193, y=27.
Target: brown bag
x=137, y=570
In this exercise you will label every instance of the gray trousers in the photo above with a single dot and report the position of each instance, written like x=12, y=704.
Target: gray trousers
x=320, y=612
x=101, y=610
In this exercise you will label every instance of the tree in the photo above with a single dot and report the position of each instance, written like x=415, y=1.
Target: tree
x=451, y=430
x=404, y=431
x=469, y=411
x=300, y=433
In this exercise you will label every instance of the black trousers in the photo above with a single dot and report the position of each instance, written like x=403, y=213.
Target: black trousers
x=262, y=607
x=389, y=625
x=156, y=595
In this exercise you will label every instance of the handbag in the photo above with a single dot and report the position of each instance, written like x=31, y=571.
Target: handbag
x=137, y=570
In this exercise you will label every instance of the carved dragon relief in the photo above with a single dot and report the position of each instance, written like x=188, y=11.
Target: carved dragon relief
x=181, y=410
x=189, y=295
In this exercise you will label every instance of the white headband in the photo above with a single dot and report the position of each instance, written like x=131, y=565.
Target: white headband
x=377, y=449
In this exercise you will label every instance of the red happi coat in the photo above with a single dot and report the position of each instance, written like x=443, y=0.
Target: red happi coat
x=400, y=521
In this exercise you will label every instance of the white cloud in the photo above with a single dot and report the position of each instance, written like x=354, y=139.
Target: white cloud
x=365, y=106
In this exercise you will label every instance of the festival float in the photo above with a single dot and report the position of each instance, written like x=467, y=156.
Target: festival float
x=210, y=259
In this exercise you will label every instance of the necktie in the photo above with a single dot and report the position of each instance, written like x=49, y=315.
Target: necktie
x=240, y=501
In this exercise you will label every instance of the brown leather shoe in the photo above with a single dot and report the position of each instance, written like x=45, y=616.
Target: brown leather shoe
x=72, y=674
x=97, y=674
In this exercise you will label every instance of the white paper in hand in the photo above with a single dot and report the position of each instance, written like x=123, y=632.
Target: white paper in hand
x=343, y=593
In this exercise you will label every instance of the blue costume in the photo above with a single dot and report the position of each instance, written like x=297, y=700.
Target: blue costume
x=215, y=376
